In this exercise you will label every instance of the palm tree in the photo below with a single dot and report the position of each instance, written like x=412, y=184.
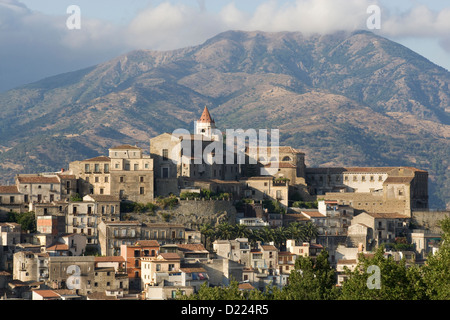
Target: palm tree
x=208, y=233
x=225, y=231
x=296, y=231
x=310, y=231
x=241, y=231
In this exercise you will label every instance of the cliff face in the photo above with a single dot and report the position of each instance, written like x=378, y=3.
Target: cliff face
x=346, y=99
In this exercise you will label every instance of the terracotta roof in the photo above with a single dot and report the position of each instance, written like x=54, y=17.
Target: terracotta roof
x=47, y=293
x=399, y=180
x=100, y=158
x=67, y=176
x=170, y=256
x=9, y=189
x=58, y=247
x=124, y=147
x=313, y=214
x=147, y=243
x=246, y=286
x=37, y=179
x=206, y=116
x=268, y=247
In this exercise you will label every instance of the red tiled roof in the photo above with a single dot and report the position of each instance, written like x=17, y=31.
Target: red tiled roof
x=37, y=179
x=58, y=247
x=268, y=247
x=9, y=189
x=206, y=116
x=146, y=243
x=47, y=293
x=170, y=256
x=398, y=180
x=313, y=214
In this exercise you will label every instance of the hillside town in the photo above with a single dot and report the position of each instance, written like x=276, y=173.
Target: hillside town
x=132, y=225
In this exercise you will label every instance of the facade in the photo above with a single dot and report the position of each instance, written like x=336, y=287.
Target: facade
x=132, y=254
x=372, y=189
x=266, y=188
x=45, y=187
x=126, y=173
x=384, y=227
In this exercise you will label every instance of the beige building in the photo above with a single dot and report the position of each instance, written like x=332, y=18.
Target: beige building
x=46, y=187
x=266, y=188
x=372, y=189
x=382, y=227
x=199, y=156
x=126, y=173
x=30, y=266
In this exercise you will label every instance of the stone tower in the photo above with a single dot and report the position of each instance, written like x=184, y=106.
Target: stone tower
x=205, y=125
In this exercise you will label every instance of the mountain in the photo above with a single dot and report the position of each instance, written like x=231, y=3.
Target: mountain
x=353, y=99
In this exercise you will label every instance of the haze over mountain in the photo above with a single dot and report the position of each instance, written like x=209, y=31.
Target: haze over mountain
x=353, y=99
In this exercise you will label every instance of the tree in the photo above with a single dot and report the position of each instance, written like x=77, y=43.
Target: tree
x=382, y=278
x=436, y=272
x=27, y=220
x=208, y=234
x=311, y=279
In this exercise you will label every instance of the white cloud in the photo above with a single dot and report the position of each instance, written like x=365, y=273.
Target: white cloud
x=45, y=45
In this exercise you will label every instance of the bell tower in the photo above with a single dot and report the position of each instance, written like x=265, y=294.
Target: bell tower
x=205, y=124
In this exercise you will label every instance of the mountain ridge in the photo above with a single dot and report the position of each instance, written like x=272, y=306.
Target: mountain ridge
x=345, y=99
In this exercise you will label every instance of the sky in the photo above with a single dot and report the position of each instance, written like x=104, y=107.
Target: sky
x=41, y=38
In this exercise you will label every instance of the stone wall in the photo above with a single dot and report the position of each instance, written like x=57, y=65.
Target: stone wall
x=192, y=213
x=428, y=219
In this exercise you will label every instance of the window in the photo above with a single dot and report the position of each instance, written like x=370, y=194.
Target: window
x=116, y=166
x=86, y=168
x=96, y=179
x=121, y=179
x=106, y=179
x=158, y=267
x=165, y=154
x=141, y=179
x=141, y=190
x=106, y=167
x=136, y=167
x=165, y=172
x=97, y=167
x=101, y=191
x=11, y=199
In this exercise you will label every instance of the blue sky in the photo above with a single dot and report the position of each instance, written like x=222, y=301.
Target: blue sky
x=36, y=43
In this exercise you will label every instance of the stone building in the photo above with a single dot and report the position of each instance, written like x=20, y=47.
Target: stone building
x=46, y=187
x=126, y=173
x=11, y=200
x=266, y=188
x=84, y=216
x=30, y=266
x=199, y=156
x=372, y=189
x=383, y=227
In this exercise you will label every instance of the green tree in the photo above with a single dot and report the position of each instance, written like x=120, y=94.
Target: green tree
x=396, y=282
x=27, y=220
x=436, y=272
x=311, y=279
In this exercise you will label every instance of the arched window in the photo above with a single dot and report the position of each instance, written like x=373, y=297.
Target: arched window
x=287, y=158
